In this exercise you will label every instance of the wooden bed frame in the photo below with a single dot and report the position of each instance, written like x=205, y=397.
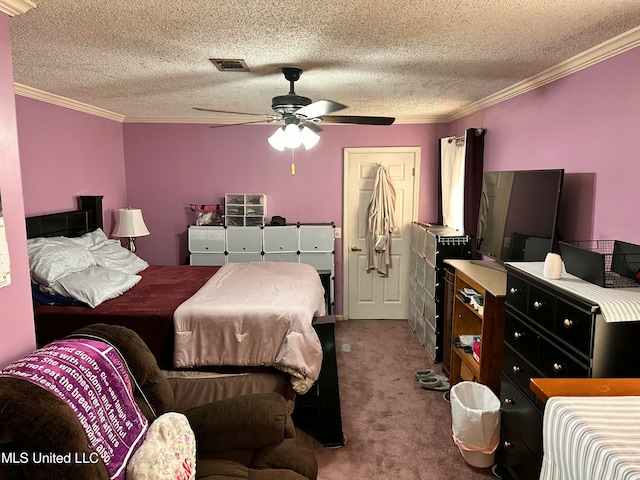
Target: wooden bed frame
x=325, y=407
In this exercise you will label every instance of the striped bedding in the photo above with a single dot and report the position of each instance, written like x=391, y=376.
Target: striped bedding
x=591, y=438
x=616, y=304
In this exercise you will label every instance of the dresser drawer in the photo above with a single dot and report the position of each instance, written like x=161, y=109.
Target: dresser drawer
x=520, y=415
x=513, y=452
x=541, y=307
x=554, y=362
x=519, y=370
x=517, y=292
x=575, y=326
x=520, y=337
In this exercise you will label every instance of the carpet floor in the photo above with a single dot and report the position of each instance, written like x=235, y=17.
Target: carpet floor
x=394, y=428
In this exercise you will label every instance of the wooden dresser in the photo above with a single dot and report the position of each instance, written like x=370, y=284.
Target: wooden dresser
x=556, y=329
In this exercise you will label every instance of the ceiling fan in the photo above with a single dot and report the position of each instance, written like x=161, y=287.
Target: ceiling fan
x=297, y=110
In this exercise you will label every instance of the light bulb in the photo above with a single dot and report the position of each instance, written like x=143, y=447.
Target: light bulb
x=309, y=138
x=292, y=137
x=277, y=140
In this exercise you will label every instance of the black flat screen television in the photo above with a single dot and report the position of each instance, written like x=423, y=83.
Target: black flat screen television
x=518, y=214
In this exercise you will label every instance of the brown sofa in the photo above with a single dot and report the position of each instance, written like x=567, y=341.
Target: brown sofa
x=247, y=437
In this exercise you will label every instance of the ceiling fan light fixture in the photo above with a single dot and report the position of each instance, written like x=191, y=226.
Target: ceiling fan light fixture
x=292, y=137
x=277, y=140
x=309, y=137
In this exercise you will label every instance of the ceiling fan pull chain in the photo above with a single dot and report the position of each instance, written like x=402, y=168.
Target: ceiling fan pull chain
x=293, y=165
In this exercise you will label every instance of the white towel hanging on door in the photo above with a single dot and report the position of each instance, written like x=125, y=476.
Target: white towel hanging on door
x=381, y=222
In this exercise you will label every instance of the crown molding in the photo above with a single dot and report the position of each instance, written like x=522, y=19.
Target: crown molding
x=16, y=7
x=240, y=120
x=599, y=53
x=207, y=121
x=54, y=99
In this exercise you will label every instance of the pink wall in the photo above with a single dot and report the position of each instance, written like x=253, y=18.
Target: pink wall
x=65, y=153
x=170, y=166
x=16, y=313
x=565, y=124
x=585, y=123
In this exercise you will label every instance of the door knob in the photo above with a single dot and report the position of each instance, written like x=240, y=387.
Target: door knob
x=356, y=249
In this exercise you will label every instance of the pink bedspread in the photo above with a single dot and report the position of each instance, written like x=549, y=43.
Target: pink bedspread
x=254, y=314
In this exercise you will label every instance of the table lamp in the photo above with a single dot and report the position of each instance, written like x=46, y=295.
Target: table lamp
x=130, y=225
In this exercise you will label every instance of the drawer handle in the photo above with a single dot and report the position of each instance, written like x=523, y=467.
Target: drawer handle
x=568, y=323
x=538, y=305
x=514, y=291
x=518, y=335
x=516, y=369
x=507, y=444
x=557, y=367
x=509, y=401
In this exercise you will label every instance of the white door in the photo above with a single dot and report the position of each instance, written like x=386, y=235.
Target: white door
x=368, y=295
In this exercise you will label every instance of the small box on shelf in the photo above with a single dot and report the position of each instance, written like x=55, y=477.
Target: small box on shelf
x=244, y=209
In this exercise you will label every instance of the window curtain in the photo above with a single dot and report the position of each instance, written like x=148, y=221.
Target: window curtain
x=452, y=182
x=460, y=172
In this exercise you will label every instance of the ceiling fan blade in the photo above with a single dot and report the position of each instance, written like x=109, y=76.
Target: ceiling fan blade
x=242, y=123
x=202, y=109
x=359, y=120
x=319, y=108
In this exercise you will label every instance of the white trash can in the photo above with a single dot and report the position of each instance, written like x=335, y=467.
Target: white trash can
x=475, y=418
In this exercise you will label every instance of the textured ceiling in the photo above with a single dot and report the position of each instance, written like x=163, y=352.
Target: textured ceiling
x=417, y=60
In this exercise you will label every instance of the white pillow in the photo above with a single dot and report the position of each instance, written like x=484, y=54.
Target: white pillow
x=113, y=255
x=167, y=453
x=91, y=239
x=53, y=258
x=95, y=285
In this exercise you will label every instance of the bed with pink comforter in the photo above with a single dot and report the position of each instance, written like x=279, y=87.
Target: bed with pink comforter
x=254, y=314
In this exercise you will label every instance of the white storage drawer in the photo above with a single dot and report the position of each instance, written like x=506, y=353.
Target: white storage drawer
x=320, y=261
x=244, y=257
x=316, y=238
x=206, y=239
x=207, y=259
x=430, y=341
x=244, y=239
x=280, y=239
x=430, y=279
x=280, y=257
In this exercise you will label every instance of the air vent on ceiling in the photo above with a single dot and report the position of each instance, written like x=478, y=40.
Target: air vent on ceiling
x=230, y=64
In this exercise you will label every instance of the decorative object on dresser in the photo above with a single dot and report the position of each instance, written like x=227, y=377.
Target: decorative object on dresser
x=564, y=328
x=487, y=323
x=430, y=246
x=130, y=225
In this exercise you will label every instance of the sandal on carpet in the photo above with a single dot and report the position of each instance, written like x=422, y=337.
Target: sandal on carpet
x=438, y=382
x=429, y=381
x=418, y=374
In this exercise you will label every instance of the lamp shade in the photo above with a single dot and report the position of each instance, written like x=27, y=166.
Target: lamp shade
x=309, y=137
x=277, y=139
x=129, y=223
x=292, y=136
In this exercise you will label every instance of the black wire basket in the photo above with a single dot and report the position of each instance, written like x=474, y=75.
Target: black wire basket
x=621, y=261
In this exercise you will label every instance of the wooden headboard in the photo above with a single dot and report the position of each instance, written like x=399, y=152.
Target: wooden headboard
x=73, y=223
